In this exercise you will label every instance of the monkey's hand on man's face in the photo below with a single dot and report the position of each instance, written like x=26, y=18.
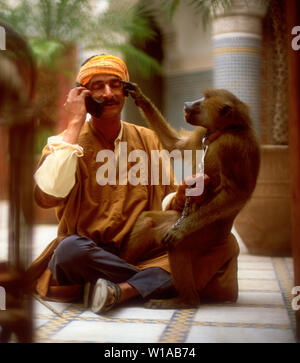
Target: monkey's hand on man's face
x=134, y=90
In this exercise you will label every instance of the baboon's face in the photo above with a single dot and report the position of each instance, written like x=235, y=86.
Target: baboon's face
x=214, y=110
x=195, y=112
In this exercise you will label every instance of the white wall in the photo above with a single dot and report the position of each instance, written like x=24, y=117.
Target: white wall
x=188, y=46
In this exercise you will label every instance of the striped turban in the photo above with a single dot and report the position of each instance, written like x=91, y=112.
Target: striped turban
x=102, y=64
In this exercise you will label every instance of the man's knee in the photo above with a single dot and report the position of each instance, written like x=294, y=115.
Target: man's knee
x=72, y=249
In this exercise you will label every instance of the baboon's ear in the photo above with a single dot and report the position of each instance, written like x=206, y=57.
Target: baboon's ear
x=226, y=109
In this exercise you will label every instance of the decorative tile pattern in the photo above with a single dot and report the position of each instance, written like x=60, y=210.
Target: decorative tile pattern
x=178, y=327
x=181, y=88
x=237, y=68
x=262, y=313
x=283, y=273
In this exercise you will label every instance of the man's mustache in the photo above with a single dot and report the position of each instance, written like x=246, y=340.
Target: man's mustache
x=110, y=102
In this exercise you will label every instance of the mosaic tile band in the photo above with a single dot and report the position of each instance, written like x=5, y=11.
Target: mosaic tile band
x=191, y=325
x=237, y=68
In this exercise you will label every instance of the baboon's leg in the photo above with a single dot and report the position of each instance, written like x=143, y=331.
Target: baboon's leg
x=180, y=259
x=147, y=234
x=139, y=241
x=183, y=279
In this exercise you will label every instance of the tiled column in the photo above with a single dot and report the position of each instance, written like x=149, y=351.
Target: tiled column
x=237, y=37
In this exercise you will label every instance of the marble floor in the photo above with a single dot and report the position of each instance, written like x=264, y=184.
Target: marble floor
x=262, y=314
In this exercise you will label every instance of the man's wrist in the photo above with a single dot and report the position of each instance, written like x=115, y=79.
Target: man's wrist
x=77, y=121
x=73, y=130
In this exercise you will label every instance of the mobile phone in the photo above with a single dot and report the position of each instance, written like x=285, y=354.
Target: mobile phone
x=93, y=106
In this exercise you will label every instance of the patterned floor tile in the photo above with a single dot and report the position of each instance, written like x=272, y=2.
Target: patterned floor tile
x=256, y=274
x=259, y=285
x=110, y=332
x=260, y=299
x=262, y=312
x=243, y=315
x=209, y=334
x=131, y=313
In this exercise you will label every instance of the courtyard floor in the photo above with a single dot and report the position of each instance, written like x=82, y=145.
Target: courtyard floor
x=262, y=314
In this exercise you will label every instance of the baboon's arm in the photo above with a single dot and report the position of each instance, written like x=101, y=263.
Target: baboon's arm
x=169, y=137
x=224, y=205
x=229, y=196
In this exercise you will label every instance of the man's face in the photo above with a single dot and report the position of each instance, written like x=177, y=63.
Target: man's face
x=108, y=88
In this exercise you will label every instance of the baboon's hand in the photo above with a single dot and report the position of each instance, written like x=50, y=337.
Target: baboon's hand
x=171, y=238
x=134, y=90
x=180, y=197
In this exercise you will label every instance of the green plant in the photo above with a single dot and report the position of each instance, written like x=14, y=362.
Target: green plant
x=52, y=24
x=204, y=7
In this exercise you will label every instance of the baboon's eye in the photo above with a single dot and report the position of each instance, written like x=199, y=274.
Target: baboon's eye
x=225, y=110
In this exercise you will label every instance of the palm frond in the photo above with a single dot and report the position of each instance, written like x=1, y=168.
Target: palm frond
x=144, y=64
x=203, y=7
x=170, y=7
x=46, y=52
x=77, y=21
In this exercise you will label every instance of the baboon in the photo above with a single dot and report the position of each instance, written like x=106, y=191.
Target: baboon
x=231, y=162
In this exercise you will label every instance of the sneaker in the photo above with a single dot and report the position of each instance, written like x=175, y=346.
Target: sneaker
x=101, y=296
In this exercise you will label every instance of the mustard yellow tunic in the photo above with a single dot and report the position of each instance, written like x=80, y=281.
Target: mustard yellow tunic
x=104, y=213
x=107, y=214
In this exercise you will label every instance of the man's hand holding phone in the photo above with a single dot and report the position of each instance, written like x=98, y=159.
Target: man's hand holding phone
x=76, y=108
x=75, y=103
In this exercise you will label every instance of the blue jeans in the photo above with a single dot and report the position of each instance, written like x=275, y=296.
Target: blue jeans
x=78, y=260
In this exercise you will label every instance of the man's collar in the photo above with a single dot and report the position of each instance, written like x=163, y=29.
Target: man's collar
x=119, y=137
